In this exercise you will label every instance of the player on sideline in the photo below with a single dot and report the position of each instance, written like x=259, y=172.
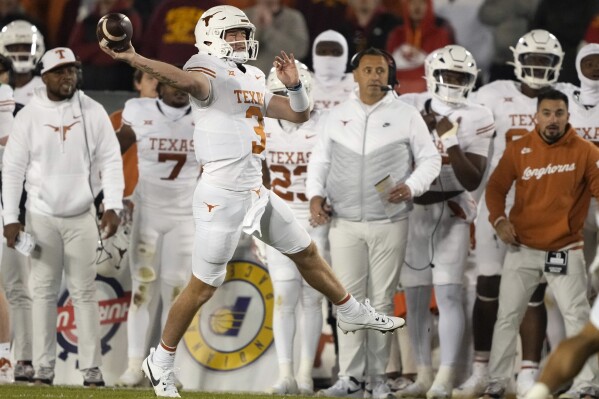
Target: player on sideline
x=229, y=101
x=440, y=222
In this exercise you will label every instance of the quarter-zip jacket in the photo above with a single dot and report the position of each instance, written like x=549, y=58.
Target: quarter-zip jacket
x=359, y=145
x=54, y=144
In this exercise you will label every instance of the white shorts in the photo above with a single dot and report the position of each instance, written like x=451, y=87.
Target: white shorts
x=220, y=217
x=447, y=250
x=161, y=245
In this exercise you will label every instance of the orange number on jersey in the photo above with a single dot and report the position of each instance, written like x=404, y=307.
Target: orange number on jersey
x=285, y=182
x=257, y=147
x=178, y=158
x=515, y=134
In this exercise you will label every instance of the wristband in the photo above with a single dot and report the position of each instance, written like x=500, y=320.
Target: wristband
x=298, y=99
x=296, y=87
x=449, y=141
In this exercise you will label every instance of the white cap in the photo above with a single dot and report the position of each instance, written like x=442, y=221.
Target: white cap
x=56, y=57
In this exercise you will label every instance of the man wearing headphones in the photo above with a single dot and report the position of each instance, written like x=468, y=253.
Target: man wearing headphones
x=57, y=139
x=361, y=167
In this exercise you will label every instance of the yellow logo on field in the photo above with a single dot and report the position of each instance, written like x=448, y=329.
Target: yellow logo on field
x=234, y=328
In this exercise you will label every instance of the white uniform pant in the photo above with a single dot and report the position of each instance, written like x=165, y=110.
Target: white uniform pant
x=522, y=272
x=366, y=258
x=438, y=235
x=15, y=270
x=69, y=245
x=160, y=260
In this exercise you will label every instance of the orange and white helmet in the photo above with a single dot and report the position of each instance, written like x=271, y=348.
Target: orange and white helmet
x=22, y=33
x=538, y=57
x=210, y=34
x=450, y=73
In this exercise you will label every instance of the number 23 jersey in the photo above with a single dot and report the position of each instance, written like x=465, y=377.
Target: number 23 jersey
x=288, y=150
x=229, y=135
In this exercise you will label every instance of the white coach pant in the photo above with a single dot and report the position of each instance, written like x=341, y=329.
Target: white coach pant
x=15, y=269
x=366, y=258
x=522, y=272
x=67, y=244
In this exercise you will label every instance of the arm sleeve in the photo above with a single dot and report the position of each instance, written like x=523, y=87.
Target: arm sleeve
x=109, y=162
x=427, y=159
x=320, y=162
x=499, y=185
x=15, y=162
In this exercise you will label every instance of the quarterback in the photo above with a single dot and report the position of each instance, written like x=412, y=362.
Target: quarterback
x=229, y=102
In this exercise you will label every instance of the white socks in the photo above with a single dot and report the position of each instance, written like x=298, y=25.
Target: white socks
x=164, y=358
x=350, y=309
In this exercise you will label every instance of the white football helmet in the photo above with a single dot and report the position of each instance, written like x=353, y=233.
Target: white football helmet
x=112, y=258
x=538, y=57
x=17, y=33
x=450, y=73
x=210, y=34
x=274, y=85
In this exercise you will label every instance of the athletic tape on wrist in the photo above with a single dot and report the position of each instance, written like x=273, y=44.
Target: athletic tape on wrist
x=298, y=99
x=449, y=141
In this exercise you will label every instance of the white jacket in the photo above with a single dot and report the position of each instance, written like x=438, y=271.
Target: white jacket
x=360, y=145
x=53, y=146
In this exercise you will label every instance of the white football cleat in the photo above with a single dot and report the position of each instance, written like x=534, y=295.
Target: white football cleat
x=345, y=387
x=525, y=380
x=368, y=318
x=285, y=386
x=162, y=380
x=132, y=377
x=473, y=387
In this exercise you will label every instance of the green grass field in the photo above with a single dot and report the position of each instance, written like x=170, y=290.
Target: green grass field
x=70, y=392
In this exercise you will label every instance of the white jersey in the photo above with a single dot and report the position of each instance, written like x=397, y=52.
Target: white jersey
x=474, y=134
x=584, y=121
x=288, y=150
x=229, y=134
x=326, y=95
x=24, y=94
x=513, y=111
x=168, y=170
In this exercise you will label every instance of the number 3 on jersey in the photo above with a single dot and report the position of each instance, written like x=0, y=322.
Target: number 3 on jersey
x=257, y=146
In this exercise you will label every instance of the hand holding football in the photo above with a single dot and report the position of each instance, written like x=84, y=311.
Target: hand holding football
x=115, y=31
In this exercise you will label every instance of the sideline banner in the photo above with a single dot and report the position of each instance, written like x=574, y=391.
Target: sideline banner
x=228, y=347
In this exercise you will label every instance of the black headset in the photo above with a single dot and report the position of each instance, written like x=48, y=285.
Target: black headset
x=355, y=62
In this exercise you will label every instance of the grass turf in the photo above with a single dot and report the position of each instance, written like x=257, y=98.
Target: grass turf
x=71, y=392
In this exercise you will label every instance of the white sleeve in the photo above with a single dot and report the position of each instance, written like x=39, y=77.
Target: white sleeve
x=426, y=157
x=320, y=162
x=108, y=160
x=15, y=162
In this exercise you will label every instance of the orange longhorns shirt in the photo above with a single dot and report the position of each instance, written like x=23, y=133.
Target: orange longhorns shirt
x=130, y=170
x=554, y=184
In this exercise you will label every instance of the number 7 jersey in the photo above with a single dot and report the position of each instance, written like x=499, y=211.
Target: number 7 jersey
x=165, y=149
x=229, y=135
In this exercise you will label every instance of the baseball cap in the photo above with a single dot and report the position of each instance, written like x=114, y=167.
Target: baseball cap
x=56, y=57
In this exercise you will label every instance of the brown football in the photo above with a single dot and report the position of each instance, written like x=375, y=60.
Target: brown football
x=115, y=31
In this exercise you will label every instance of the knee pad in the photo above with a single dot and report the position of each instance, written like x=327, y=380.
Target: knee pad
x=142, y=293
x=487, y=288
x=538, y=297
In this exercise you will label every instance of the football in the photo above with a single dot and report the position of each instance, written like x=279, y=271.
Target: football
x=115, y=31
